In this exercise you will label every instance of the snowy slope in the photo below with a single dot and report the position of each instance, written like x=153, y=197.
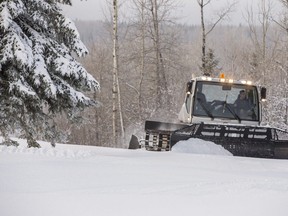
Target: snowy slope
x=75, y=180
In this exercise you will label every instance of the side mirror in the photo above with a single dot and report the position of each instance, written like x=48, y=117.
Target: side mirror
x=189, y=87
x=263, y=94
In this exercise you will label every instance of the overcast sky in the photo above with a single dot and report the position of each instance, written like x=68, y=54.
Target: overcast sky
x=188, y=12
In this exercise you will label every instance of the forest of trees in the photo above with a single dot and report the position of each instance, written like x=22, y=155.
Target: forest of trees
x=141, y=64
x=157, y=56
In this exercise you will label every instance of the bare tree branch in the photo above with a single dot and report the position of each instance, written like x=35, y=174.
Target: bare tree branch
x=203, y=3
x=223, y=14
x=283, y=23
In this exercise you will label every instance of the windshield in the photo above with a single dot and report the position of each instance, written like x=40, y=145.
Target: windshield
x=226, y=100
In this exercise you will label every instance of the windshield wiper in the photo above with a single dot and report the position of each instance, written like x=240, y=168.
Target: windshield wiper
x=231, y=110
x=205, y=109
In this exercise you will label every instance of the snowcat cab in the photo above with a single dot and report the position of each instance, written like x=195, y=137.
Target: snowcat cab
x=214, y=100
x=226, y=112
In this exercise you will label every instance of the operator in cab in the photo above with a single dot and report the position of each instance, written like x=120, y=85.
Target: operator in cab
x=242, y=105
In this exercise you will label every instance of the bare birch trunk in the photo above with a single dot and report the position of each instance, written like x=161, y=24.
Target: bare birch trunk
x=116, y=89
x=221, y=15
x=201, y=4
x=162, y=91
x=142, y=55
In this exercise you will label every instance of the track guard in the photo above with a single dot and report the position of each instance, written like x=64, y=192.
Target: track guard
x=249, y=141
x=158, y=135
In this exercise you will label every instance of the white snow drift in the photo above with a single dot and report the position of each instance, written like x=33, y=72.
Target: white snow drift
x=198, y=146
x=72, y=180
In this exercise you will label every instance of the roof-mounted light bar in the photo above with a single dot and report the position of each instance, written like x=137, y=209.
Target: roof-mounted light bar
x=249, y=82
x=223, y=79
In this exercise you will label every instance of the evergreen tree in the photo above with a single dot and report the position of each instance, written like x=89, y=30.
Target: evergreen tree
x=210, y=64
x=39, y=76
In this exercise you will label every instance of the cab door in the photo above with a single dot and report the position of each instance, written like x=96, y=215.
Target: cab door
x=186, y=109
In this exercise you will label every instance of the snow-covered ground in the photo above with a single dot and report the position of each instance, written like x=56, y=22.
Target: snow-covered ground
x=72, y=180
